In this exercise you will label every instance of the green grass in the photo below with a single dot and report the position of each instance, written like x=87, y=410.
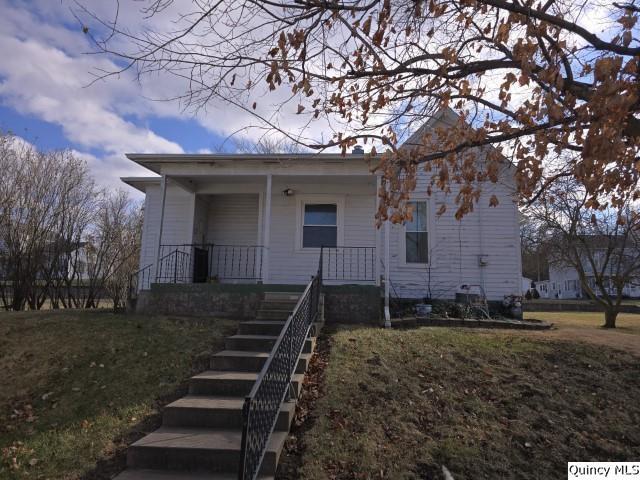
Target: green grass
x=400, y=404
x=78, y=386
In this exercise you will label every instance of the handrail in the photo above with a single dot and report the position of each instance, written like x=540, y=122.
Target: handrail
x=134, y=286
x=273, y=385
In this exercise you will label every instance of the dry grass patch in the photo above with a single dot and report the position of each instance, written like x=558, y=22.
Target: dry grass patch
x=626, y=322
x=400, y=404
x=77, y=386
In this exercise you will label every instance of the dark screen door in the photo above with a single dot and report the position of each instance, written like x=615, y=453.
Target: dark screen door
x=200, y=265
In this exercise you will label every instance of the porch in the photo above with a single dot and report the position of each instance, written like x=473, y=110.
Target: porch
x=251, y=229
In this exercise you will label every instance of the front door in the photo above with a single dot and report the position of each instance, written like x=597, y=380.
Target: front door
x=200, y=265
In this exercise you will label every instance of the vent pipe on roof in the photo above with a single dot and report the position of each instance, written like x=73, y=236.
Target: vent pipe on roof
x=358, y=150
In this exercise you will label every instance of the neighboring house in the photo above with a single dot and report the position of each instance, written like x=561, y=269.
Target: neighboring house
x=543, y=288
x=564, y=282
x=262, y=218
x=527, y=284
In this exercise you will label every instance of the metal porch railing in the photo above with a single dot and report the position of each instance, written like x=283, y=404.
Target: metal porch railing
x=197, y=263
x=353, y=264
x=262, y=406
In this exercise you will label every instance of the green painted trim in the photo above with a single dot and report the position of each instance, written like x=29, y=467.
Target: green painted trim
x=224, y=288
x=351, y=289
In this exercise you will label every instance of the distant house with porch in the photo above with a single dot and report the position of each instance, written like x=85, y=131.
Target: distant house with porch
x=265, y=219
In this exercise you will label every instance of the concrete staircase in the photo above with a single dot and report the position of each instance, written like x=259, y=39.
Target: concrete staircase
x=201, y=433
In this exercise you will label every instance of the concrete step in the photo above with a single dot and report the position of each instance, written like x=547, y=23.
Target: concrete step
x=254, y=343
x=281, y=315
x=260, y=343
x=146, y=474
x=233, y=384
x=216, y=412
x=198, y=449
x=215, y=382
x=278, y=305
x=238, y=360
x=244, y=361
x=261, y=327
x=287, y=297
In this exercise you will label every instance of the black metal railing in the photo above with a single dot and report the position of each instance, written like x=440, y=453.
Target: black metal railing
x=273, y=386
x=356, y=264
x=140, y=280
x=236, y=262
x=187, y=263
x=174, y=267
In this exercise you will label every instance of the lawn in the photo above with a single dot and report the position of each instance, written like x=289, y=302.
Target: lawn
x=485, y=404
x=625, y=323
x=78, y=386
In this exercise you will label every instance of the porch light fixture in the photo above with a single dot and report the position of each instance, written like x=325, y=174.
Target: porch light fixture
x=288, y=192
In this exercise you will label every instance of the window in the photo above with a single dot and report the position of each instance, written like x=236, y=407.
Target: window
x=320, y=225
x=416, y=236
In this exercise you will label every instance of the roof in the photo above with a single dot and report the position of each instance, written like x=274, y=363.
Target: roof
x=141, y=183
x=152, y=161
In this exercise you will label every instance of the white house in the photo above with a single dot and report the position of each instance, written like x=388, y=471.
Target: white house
x=564, y=282
x=240, y=218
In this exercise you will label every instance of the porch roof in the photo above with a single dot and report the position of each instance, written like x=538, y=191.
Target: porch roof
x=154, y=161
x=141, y=183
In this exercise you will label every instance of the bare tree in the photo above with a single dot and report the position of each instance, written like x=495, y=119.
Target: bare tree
x=44, y=209
x=527, y=75
x=535, y=246
x=61, y=239
x=602, y=246
x=112, y=243
x=267, y=145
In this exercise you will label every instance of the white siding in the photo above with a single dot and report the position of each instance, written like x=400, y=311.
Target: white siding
x=233, y=219
x=456, y=247
x=178, y=220
x=291, y=264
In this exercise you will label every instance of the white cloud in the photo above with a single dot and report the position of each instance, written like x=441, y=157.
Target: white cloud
x=46, y=76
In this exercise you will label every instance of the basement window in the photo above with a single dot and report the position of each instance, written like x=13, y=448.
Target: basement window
x=416, y=235
x=320, y=225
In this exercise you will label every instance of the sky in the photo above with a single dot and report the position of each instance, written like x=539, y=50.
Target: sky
x=47, y=96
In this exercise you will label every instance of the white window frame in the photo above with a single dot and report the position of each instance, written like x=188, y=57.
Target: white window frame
x=402, y=241
x=302, y=201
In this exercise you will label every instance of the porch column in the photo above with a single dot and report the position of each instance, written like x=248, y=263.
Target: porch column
x=163, y=188
x=266, y=231
x=377, y=234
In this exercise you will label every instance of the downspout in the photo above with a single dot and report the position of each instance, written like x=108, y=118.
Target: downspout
x=481, y=256
x=387, y=313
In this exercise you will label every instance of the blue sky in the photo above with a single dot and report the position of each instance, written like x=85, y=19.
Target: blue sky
x=46, y=97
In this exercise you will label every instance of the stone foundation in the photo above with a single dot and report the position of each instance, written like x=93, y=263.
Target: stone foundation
x=360, y=304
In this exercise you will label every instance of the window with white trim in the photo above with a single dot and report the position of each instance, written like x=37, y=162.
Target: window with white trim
x=320, y=225
x=416, y=234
